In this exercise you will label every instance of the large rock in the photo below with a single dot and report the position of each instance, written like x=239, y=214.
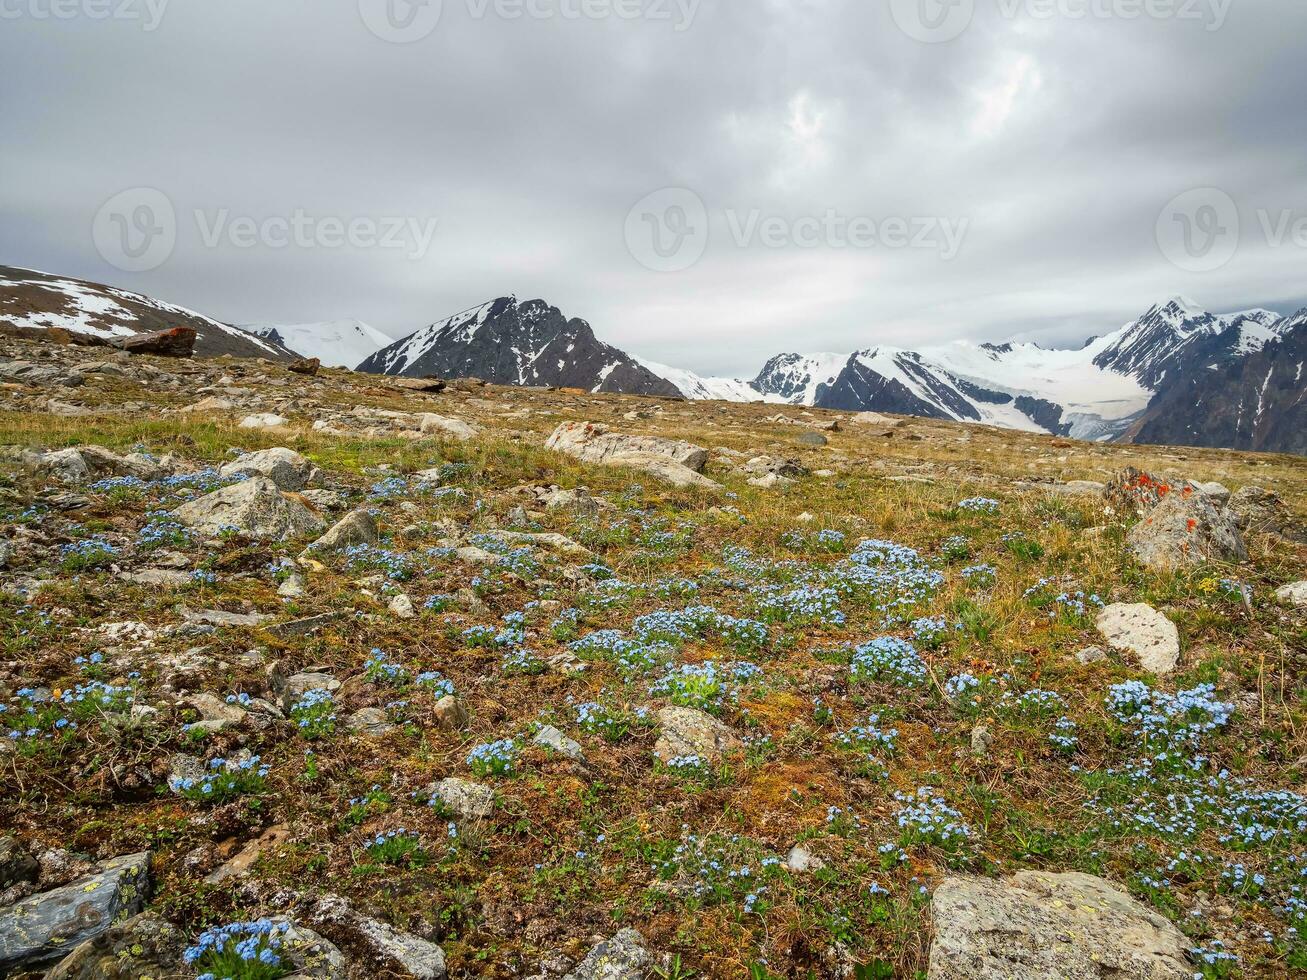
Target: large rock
x=143, y=946
x=356, y=527
x=47, y=925
x=1185, y=528
x=1142, y=630
x=1256, y=511
x=1295, y=594
x=688, y=731
x=593, y=443
x=284, y=467
x=255, y=507
x=621, y=958
x=1041, y=926
x=83, y=464
x=444, y=427
x=177, y=342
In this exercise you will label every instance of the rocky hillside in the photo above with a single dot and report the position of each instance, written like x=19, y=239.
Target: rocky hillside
x=506, y=342
x=342, y=676
x=38, y=301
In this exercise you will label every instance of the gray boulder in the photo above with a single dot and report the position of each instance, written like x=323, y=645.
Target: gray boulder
x=551, y=738
x=1295, y=594
x=412, y=955
x=47, y=925
x=622, y=957
x=1037, y=926
x=284, y=467
x=256, y=507
x=356, y=527
x=1185, y=529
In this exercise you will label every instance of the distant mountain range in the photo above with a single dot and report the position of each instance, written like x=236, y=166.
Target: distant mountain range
x=1178, y=374
x=41, y=301
x=1123, y=385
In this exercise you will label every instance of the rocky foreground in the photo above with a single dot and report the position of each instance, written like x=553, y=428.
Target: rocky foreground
x=325, y=675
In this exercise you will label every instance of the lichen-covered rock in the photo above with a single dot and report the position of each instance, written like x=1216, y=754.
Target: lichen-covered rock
x=255, y=507
x=690, y=732
x=622, y=957
x=1184, y=529
x=47, y=925
x=465, y=799
x=378, y=941
x=1041, y=926
x=447, y=428
x=143, y=946
x=1142, y=630
x=551, y=738
x=284, y=467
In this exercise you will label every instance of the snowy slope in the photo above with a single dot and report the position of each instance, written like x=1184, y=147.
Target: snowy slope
x=797, y=378
x=699, y=388
x=337, y=343
x=29, y=298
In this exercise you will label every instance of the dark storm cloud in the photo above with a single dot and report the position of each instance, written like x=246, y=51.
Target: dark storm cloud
x=1053, y=140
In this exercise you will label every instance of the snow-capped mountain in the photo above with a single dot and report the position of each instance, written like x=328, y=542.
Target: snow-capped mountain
x=511, y=343
x=1175, y=333
x=336, y=343
x=40, y=300
x=1257, y=402
x=797, y=377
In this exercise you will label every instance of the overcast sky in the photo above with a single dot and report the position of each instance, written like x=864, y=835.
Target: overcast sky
x=1032, y=159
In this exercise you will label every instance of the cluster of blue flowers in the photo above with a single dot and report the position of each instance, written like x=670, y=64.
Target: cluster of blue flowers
x=494, y=758
x=705, y=686
x=314, y=714
x=88, y=553
x=979, y=505
x=926, y=818
x=718, y=870
x=379, y=669
x=223, y=781
x=888, y=658
x=239, y=951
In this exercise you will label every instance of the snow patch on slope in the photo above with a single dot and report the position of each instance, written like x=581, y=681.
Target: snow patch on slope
x=337, y=343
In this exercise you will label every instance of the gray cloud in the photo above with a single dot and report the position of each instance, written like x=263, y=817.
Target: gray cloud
x=1057, y=140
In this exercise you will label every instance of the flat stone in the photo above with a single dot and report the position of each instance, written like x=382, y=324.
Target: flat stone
x=1143, y=631
x=466, y=799
x=1091, y=655
x=1041, y=926
x=551, y=738
x=263, y=420
x=47, y=925
x=144, y=946
x=447, y=428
